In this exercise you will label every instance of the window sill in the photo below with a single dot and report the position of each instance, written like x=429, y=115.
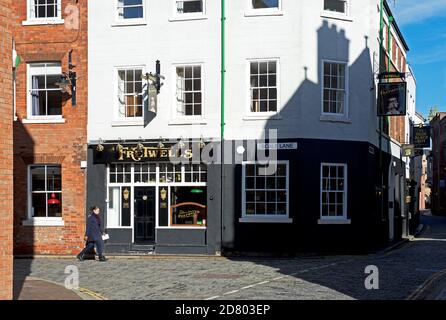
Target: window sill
x=334, y=221
x=263, y=12
x=43, y=120
x=187, y=17
x=265, y=220
x=126, y=123
x=262, y=116
x=334, y=118
x=129, y=23
x=338, y=16
x=42, y=22
x=44, y=222
x=187, y=122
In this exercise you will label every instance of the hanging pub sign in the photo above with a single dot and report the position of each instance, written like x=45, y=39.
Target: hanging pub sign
x=422, y=137
x=408, y=150
x=392, y=99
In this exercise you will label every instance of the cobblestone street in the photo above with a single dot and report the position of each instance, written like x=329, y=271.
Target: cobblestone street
x=401, y=272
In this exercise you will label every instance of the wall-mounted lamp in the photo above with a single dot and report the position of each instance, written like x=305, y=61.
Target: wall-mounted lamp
x=202, y=143
x=160, y=143
x=100, y=147
x=67, y=83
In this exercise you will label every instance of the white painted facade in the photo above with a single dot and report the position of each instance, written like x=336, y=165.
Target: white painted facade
x=299, y=37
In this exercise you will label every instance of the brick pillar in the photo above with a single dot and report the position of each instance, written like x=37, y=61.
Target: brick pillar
x=6, y=151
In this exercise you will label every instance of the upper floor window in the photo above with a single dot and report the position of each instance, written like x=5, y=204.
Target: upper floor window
x=44, y=94
x=130, y=9
x=130, y=93
x=263, y=81
x=265, y=4
x=189, y=6
x=44, y=9
x=334, y=88
x=337, y=6
x=189, y=93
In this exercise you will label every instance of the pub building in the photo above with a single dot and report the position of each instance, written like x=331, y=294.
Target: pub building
x=149, y=201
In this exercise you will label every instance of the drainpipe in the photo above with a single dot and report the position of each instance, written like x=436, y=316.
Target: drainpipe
x=222, y=118
x=380, y=119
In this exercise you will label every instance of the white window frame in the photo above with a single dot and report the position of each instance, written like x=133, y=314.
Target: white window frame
x=188, y=16
x=132, y=21
x=30, y=20
x=176, y=117
x=40, y=221
x=269, y=114
x=266, y=218
x=335, y=116
x=334, y=219
x=49, y=70
x=338, y=15
x=251, y=12
x=120, y=120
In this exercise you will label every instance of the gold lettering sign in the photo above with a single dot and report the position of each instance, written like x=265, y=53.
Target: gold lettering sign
x=187, y=214
x=137, y=155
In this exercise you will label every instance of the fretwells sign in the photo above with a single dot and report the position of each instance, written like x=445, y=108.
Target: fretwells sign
x=422, y=137
x=115, y=153
x=392, y=99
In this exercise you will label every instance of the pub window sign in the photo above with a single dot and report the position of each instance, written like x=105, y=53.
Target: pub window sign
x=392, y=99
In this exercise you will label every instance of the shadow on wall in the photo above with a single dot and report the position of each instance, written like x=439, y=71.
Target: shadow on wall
x=23, y=236
x=369, y=227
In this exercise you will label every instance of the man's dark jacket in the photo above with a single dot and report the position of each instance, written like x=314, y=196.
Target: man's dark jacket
x=93, y=231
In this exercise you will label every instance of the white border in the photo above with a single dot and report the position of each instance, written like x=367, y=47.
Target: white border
x=342, y=117
x=188, y=16
x=42, y=21
x=251, y=12
x=175, y=118
x=40, y=119
x=266, y=218
x=250, y=115
x=338, y=15
x=126, y=121
x=129, y=22
x=334, y=220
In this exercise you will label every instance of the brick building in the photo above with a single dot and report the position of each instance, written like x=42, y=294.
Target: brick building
x=6, y=197
x=438, y=195
x=49, y=128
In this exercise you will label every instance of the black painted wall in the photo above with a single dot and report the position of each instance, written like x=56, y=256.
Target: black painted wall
x=367, y=229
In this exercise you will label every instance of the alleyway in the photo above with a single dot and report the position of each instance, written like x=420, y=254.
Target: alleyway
x=401, y=272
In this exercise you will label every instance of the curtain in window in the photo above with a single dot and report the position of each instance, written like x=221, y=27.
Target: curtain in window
x=35, y=96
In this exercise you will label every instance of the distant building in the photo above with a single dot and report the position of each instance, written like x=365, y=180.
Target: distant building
x=438, y=196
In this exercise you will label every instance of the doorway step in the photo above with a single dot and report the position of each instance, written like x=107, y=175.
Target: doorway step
x=142, y=249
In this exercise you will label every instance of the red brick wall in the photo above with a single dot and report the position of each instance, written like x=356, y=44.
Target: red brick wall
x=6, y=111
x=63, y=144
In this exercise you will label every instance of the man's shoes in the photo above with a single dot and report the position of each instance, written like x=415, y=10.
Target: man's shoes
x=102, y=259
x=80, y=257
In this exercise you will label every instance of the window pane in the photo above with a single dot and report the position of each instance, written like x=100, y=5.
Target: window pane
x=38, y=205
x=190, y=6
x=54, y=178
x=335, y=5
x=133, y=13
x=262, y=4
x=38, y=178
x=55, y=210
x=54, y=102
x=260, y=208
